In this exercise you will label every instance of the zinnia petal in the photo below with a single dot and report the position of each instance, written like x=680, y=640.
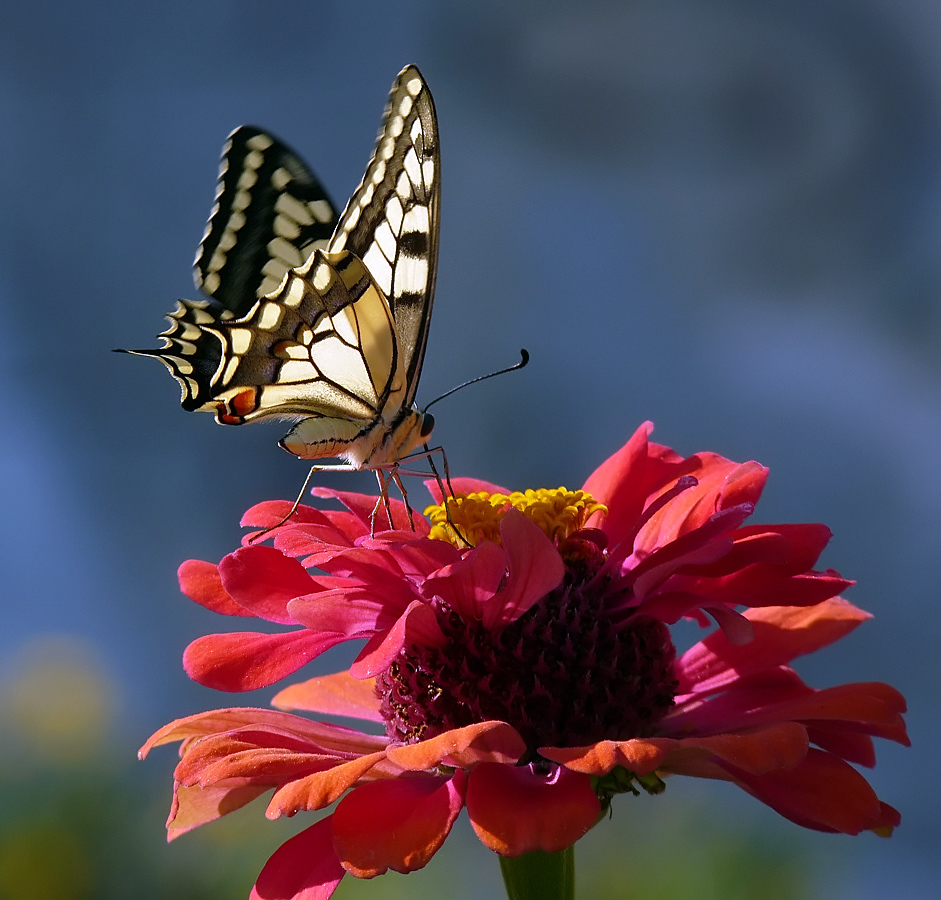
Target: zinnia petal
x=396, y=824
x=823, y=793
x=515, y=810
x=244, y=661
x=338, y=695
x=201, y=582
x=303, y=868
x=264, y=580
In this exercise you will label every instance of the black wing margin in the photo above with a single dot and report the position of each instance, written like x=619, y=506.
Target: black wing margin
x=391, y=221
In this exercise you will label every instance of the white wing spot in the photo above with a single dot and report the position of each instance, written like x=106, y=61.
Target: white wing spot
x=274, y=271
x=236, y=221
x=378, y=266
x=217, y=261
x=281, y=178
x=294, y=294
x=385, y=240
x=320, y=210
x=416, y=219
x=229, y=372
x=241, y=200
x=295, y=370
x=412, y=166
x=411, y=274
x=413, y=86
x=395, y=126
x=428, y=172
x=247, y=179
x=286, y=228
x=281, y=249
x=394, y=213
x=403, y=187
x=257, y=142
x=269, y=316
x=240, y=339
x=253, y=159
x=379, y=172
x=323, y=277
x=405, y=107
x=291, y=206
x=211, y=283
x=227, y=241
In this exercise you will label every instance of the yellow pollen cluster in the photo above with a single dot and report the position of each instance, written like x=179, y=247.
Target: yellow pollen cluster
x=559, y=513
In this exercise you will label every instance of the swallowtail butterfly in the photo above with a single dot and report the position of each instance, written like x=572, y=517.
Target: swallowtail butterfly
x=314, y=318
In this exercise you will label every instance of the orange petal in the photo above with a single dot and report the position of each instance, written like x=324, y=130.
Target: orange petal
x=320, y=789
x=462, y=747
x=194, y=806
x=339, y=695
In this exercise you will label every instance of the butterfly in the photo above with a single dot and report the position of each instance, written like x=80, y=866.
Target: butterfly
x=315, y=318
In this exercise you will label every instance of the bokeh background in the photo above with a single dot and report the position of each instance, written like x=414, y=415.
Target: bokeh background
x=724, y=216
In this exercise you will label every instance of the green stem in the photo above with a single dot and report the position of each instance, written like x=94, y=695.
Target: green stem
x=539, y=875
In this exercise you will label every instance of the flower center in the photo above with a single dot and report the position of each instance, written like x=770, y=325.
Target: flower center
x=560, y=513
x=576, y=668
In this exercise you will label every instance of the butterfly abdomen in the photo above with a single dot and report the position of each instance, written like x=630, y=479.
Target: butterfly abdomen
x=377, y=445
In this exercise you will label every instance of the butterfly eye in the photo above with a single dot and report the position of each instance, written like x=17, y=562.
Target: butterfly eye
x=427, y=425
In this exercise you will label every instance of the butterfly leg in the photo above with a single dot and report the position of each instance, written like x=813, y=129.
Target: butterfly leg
x=383, y=500
x=450, y=490
x=408, y=508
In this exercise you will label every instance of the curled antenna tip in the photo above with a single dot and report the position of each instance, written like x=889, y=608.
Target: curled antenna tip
x=524, y=359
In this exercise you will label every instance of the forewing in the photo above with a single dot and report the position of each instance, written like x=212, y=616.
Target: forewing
x=270, y=214
x=391, y=221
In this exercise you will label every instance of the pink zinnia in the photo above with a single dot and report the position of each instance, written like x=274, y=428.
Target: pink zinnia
x=519, y=658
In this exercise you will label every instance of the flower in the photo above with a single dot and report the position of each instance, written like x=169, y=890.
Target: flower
x=519, y=657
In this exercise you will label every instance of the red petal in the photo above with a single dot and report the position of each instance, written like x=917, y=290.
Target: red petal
x=465, y=747
x=514, y=810
x=823, y=793
x=625, y=482
x=534, y=568
x=417, y=625
x=200, y=581
x=264, y=580
x=243, y=661
x=304, y=868
x=363, y=506
x=781, y=634
x=468, y=585
x=338, y=695
x=352, y=610
x=397, y=824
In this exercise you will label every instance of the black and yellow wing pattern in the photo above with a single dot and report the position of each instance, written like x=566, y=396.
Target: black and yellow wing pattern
x=314, y=318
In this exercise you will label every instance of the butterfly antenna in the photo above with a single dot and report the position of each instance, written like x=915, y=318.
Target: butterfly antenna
x=524, y=359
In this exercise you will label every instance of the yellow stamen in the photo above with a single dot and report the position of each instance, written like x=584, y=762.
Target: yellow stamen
x=559, y=513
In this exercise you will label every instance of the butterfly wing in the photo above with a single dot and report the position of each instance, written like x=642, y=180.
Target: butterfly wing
x=269, y=215
x=334, y=343
x=391, y=221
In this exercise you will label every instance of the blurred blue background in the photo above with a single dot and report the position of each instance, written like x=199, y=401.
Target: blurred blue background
x=724, y=217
